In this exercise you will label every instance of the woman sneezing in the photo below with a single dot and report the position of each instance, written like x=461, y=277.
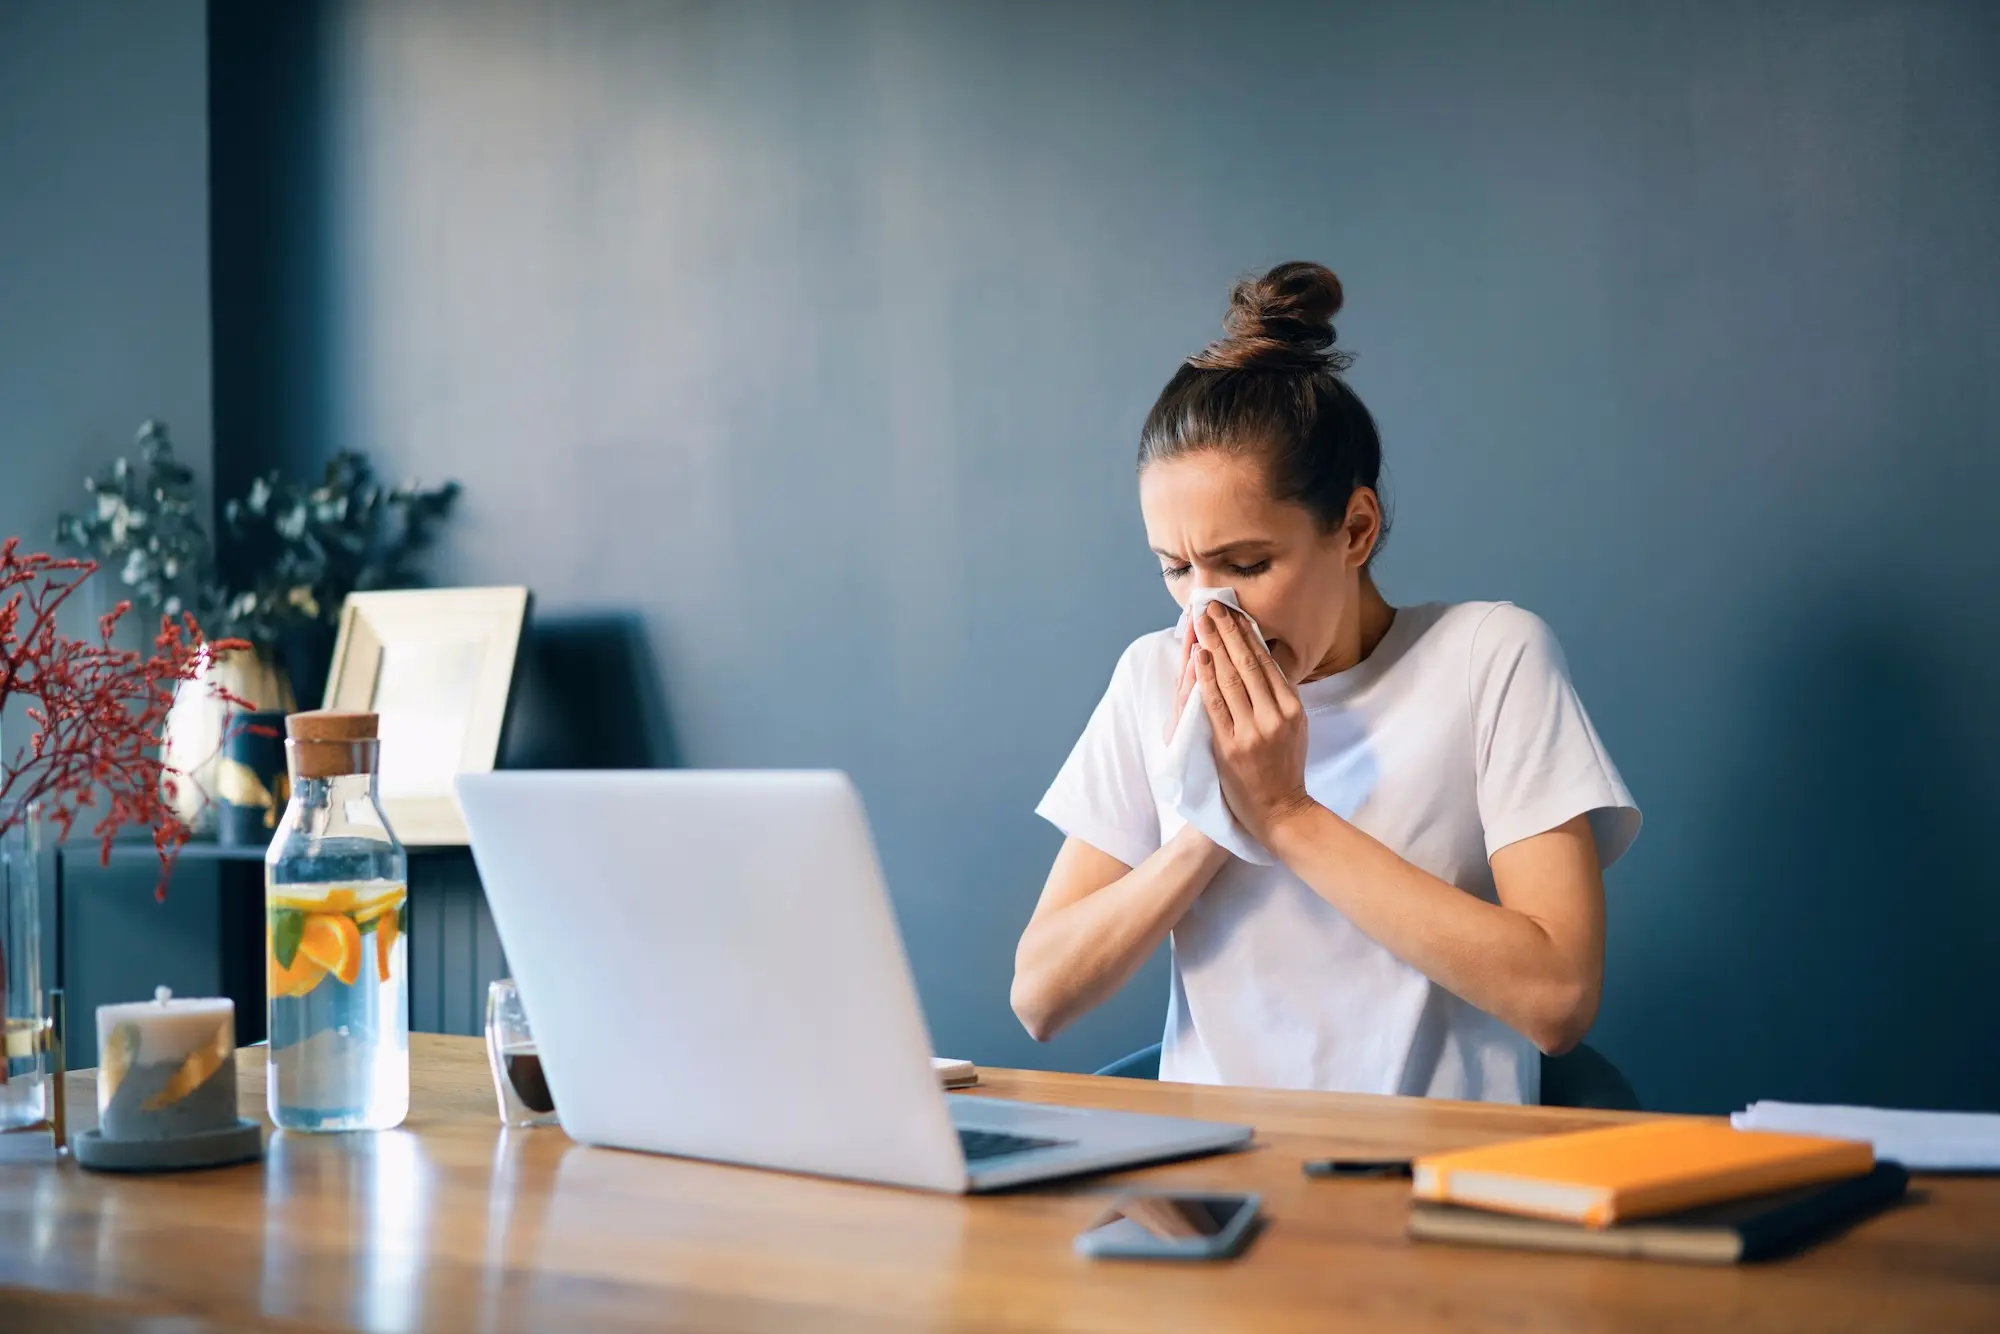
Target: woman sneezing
x=1379, y=849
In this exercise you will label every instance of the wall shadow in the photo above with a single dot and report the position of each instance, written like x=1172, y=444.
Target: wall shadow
x=588, y=695
x=270, y=241
x=1845, y=927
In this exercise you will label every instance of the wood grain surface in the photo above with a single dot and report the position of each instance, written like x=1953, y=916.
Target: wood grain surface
x=449, y=1224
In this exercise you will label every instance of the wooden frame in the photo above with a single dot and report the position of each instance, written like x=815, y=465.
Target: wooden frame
x=446, y=657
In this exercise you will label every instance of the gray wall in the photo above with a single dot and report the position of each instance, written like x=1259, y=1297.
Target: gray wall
x=818, y=337
x=104, y=314
x=104, y=322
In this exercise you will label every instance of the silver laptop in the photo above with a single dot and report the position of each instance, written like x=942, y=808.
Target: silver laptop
x=711, y=968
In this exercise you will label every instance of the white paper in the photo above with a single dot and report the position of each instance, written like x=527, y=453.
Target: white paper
x=1920, y=1141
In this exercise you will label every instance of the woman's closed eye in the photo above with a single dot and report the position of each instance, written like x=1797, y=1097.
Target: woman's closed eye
x=1240, y=571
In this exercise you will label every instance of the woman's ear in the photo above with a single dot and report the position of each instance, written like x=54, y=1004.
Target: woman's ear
x=1363, y=525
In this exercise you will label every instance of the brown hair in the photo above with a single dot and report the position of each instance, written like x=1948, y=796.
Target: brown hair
x=1272, y=388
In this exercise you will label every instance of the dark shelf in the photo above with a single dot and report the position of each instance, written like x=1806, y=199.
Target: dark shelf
x=214, y=933
x=207, y=850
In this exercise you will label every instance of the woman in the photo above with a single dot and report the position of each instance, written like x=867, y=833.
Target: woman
x=1437, y=807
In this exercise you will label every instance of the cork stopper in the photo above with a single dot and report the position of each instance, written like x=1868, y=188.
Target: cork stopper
x=327, y=743
x=332, y=725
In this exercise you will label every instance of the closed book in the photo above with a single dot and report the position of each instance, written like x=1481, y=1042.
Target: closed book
x=1757, y=1228
x=1648, y=1168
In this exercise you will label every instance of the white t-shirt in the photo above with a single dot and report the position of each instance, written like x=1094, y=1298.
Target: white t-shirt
x=1458, y=735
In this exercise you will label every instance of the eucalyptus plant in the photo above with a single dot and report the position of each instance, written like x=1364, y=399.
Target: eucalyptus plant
x=289, y=554
x=298, y=551
x=143, y=526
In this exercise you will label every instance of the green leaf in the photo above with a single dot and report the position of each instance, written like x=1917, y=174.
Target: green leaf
x=403, y=917
x=287, y=925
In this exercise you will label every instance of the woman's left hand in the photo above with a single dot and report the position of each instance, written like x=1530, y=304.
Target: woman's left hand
x=1259, y=724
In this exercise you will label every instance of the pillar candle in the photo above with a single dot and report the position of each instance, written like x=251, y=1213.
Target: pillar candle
x=166, y=1067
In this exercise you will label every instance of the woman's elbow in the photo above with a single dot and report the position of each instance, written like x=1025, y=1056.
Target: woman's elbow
x=1032, y=1009
x=1564, y=1015
x=1032, y=998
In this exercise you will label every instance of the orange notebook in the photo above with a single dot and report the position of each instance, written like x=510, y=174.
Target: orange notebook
x=1600, y=1177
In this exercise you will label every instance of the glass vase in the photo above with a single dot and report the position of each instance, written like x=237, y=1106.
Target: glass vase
x=24, y=1074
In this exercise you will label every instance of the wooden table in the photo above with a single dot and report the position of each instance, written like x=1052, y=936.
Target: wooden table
x=449, y=1225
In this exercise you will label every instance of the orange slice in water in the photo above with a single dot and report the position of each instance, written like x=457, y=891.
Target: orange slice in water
x=333, y=941
x=385, y=944
x=301, y=977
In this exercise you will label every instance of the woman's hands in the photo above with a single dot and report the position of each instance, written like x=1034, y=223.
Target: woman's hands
x=1259, y=724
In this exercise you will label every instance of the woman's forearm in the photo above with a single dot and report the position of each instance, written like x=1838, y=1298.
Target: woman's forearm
x=1501, y=960
x=1072, y=958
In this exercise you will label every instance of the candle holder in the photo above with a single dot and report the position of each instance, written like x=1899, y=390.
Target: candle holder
x=166, y=1089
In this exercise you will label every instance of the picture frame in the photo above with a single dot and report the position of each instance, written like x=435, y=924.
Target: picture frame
x=438, y=666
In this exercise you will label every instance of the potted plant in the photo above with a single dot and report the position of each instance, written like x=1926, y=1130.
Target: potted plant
x=288, y=556
x=293, y=553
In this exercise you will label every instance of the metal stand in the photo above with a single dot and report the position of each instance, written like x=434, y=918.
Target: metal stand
x=56, y=1037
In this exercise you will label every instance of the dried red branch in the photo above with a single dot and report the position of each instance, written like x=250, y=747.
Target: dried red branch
x=98, y=710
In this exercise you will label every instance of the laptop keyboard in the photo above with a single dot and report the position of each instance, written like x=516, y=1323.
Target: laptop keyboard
x=980, y=1145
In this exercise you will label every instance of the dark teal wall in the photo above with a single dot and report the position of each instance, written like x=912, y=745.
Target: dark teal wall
x=104, y=312
x=818, y=336
x=104, y=322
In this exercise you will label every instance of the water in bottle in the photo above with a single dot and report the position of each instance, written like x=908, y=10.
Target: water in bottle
x=336, y=926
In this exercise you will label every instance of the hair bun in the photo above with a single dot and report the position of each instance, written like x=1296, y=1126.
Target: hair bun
x=1281, y=321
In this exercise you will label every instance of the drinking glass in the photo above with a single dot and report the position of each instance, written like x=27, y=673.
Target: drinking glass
x=518, y=1083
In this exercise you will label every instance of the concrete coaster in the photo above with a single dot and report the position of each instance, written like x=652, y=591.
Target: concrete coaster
x=216, y=1148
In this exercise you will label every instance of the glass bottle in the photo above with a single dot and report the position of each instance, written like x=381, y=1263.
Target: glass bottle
x=336, y=922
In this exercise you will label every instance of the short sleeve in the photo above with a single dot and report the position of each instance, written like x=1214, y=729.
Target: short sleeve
x=1102, y=795
x=1540, y=762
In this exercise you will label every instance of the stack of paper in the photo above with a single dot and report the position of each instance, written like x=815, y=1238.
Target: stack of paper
x=1920, y=1141
x=954, y=1074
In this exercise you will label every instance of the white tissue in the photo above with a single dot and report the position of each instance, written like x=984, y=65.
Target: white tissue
x=1341, y=770
x=1189, y=762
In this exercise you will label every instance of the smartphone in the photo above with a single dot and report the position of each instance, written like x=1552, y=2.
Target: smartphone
x=1147, y=1225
